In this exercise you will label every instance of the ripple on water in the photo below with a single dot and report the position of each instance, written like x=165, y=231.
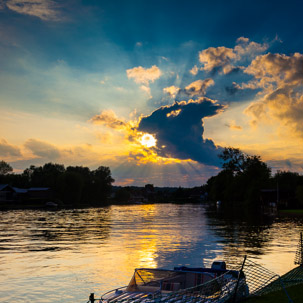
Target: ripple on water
x=65, y=255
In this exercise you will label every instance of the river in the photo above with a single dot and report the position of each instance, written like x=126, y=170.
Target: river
x=63, y=256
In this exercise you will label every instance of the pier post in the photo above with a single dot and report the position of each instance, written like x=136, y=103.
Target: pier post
x=239, y=277
x=92, y=298
x=299, y=253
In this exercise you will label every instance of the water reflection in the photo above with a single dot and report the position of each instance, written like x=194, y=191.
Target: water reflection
x=239, y=236
x=25, y=231
x=271, y=241
x=65, y=255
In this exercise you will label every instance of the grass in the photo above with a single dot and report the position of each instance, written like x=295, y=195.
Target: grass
x=295, y=293
x=291, y=211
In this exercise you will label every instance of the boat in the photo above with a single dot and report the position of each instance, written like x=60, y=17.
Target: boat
x=181, y=284
x=51, y=204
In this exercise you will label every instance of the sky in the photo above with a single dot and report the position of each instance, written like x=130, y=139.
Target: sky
x=152, y=89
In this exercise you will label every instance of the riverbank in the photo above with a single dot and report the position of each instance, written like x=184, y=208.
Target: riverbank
x=295, y=293
x=291, y=212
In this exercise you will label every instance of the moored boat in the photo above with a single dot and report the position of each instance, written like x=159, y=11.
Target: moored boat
x=182, y=284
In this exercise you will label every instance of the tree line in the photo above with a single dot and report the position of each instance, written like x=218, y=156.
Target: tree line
x=239, y=185
x=244, y=178
x=73, y=185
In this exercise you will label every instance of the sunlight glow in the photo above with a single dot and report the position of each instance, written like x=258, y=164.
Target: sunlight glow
x=148, y=140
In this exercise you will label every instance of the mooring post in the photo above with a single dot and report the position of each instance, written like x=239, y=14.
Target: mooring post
x=301, y=240
x=239, y=277
x=92, y=298
x=299, y=253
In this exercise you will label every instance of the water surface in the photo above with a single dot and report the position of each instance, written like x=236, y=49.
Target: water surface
x=62, y=256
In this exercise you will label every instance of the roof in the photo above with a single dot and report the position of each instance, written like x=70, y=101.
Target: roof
x=20, y=190
x=3, y=186
x=38, y=189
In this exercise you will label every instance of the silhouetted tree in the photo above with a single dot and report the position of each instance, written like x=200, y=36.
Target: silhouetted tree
x=290, y=187
x=44, y=176
x=5, y=168
x=241, y=180
x=299, y=195
x=220, y=187
x=123, y=195
x=74, y=185
x=100, y=186
x=70, y=188
x=233, y=160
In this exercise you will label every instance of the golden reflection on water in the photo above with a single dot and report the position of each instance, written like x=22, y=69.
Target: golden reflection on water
x=65, y=255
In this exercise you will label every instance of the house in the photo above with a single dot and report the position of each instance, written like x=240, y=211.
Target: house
x=137, y=198
x=21, y=194
x=40, y=193
x=22, y=197
x=7, y=193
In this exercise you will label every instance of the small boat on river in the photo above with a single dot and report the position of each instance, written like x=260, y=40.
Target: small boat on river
x=182, y=284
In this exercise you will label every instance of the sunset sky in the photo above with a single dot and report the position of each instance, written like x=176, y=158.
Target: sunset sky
x=152, y=89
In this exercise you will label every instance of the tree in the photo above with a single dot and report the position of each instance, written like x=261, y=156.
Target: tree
x=241, y=180
x=220, y=187
x=100, y=187
x=44, y=176
x=5, y=168
x=123, y=195
x=240, y=163
x=28, y=173
x=234, y=159
x=289, y=184
x=299, y=195
x=70, y=186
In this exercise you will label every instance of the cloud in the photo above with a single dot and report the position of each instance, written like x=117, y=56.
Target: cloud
x=42, y=149
x=143, y=75
x=146, y=89
x=109, y=119
x=281, y=80
x=194, y=71
x=277, y=68
x=7, y=150
x=174, y=174
x=126, y=129
x=43, y=152
x=197, y=88
x=250, y=49
x=216, y=57
x=223, y=59
x=233, y=89
x=286, y=165
x=46, y=10
x=106, y=138
x=282, y=106
x=180, y=135
x=172, y=91
x=233, y=126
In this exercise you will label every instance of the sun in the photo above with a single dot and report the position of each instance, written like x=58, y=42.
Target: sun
x=148, y=140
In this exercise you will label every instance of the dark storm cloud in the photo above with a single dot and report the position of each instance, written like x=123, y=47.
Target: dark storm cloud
x=179, y=130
